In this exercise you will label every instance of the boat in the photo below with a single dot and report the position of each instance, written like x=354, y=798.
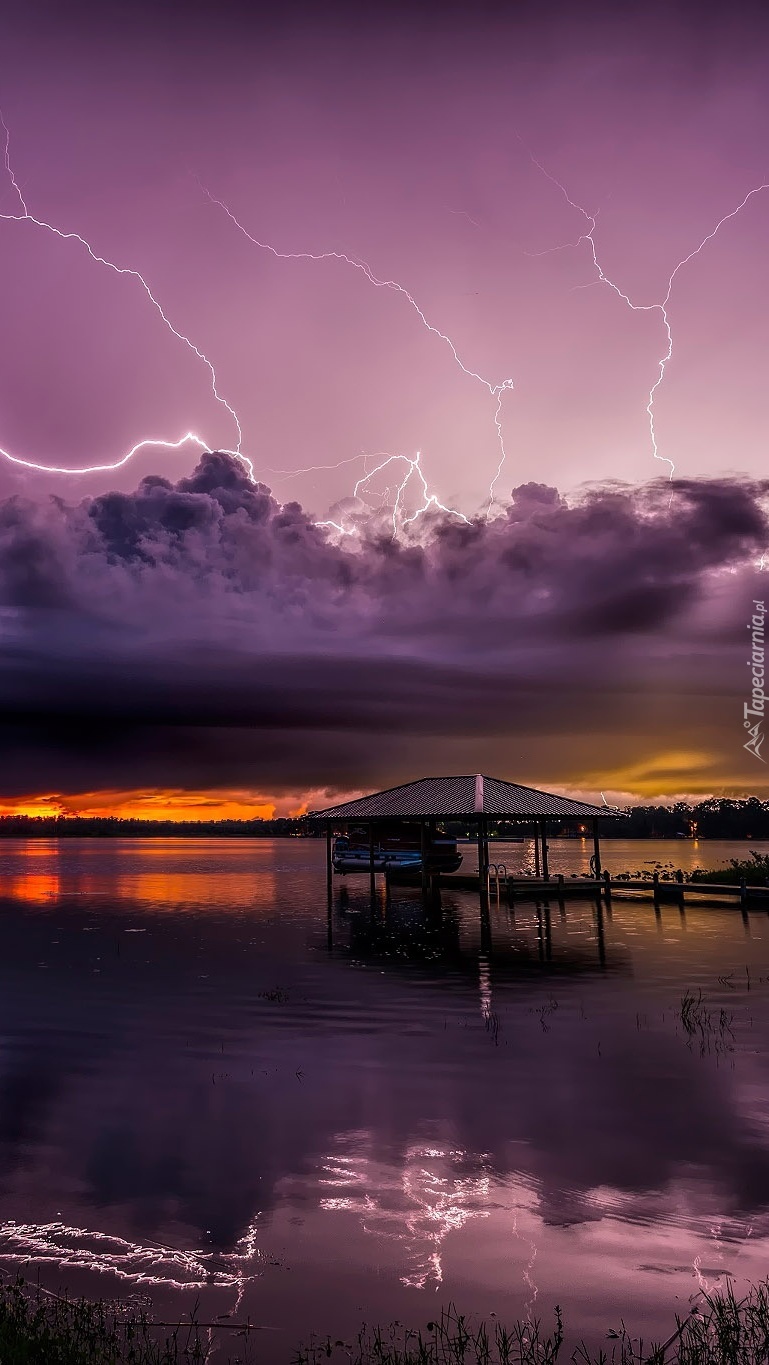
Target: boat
x=398, y=850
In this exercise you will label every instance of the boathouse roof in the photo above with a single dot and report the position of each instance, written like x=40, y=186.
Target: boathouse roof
x=462, y=798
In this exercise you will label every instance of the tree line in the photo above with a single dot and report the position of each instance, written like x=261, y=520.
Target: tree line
x=112, y=826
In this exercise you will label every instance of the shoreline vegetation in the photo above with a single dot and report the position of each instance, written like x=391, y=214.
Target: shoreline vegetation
x=713, y=819
x=38, y=1327
x=752, y=871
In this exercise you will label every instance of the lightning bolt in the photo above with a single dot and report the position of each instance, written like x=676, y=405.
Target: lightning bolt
x=116, y=464
x=661, y=306
x=413, y=466
x=496, y=391
x=9, y=167
x=27, y=217
x=428, y=499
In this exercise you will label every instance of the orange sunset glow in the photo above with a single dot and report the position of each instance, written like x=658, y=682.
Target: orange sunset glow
x=154, y=805
x=658, y=778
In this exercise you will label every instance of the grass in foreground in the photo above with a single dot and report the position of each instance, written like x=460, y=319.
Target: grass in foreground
x=723, y=1331
x=37, y=1328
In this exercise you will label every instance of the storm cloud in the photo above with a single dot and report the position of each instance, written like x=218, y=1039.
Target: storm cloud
x=203, y=634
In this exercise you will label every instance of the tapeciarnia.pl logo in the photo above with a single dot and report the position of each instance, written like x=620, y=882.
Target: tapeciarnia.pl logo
x=753, y=711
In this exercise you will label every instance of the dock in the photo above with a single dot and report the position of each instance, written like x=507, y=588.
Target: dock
x=474, y=799
x=674, y=890
x=482, y=802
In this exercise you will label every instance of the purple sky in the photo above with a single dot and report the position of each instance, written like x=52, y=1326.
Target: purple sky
x=411, y=148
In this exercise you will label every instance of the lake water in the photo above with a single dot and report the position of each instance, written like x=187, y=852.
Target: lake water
x=212, y=1089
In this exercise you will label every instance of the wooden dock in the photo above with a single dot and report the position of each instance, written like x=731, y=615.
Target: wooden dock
x=675, y=890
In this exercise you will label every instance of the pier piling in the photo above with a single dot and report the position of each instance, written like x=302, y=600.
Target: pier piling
x=596, y=849
x=372, y=878
x=423, y=849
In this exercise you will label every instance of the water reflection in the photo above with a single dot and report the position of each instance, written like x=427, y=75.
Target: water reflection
x=34, y=887
x=101, y=1253
x=433, y=1192
x=239, y=1094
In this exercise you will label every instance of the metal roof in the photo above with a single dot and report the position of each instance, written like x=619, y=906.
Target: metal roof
x=461, y=797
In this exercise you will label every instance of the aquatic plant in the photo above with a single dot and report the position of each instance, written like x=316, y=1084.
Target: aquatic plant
x=711, y=1028
x=41, y=1328
x=754, y=871
x=544, y=1012
x=448, y=1340
x=277, y=995
x=720, y=1330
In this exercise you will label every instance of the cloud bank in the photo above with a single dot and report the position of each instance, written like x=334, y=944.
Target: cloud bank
x=200, y=634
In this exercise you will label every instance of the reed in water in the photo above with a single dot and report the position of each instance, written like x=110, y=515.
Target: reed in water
x=41, y=1328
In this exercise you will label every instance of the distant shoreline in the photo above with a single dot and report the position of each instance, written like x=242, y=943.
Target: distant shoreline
x=71, y=827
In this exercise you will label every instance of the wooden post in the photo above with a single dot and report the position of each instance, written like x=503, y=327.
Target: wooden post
x=483, y=859
x=329, y=864
x=486, y=849
x=545, y=868
x=560, y=889
x=536, y=850
x=434, y=876
x=372, y=882
x=423, y=849
x=656, y=888
x=743, y=892
x=596, y=850
x=607, y=885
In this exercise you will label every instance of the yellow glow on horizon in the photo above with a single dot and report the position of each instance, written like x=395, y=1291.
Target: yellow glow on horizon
x=673, y=771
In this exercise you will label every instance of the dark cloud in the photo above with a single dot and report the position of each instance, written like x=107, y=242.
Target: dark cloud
x=203, y=634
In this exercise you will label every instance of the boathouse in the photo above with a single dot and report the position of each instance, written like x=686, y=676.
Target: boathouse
x=477, y=800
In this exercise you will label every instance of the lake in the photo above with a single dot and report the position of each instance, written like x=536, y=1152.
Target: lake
x=213, y=1090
